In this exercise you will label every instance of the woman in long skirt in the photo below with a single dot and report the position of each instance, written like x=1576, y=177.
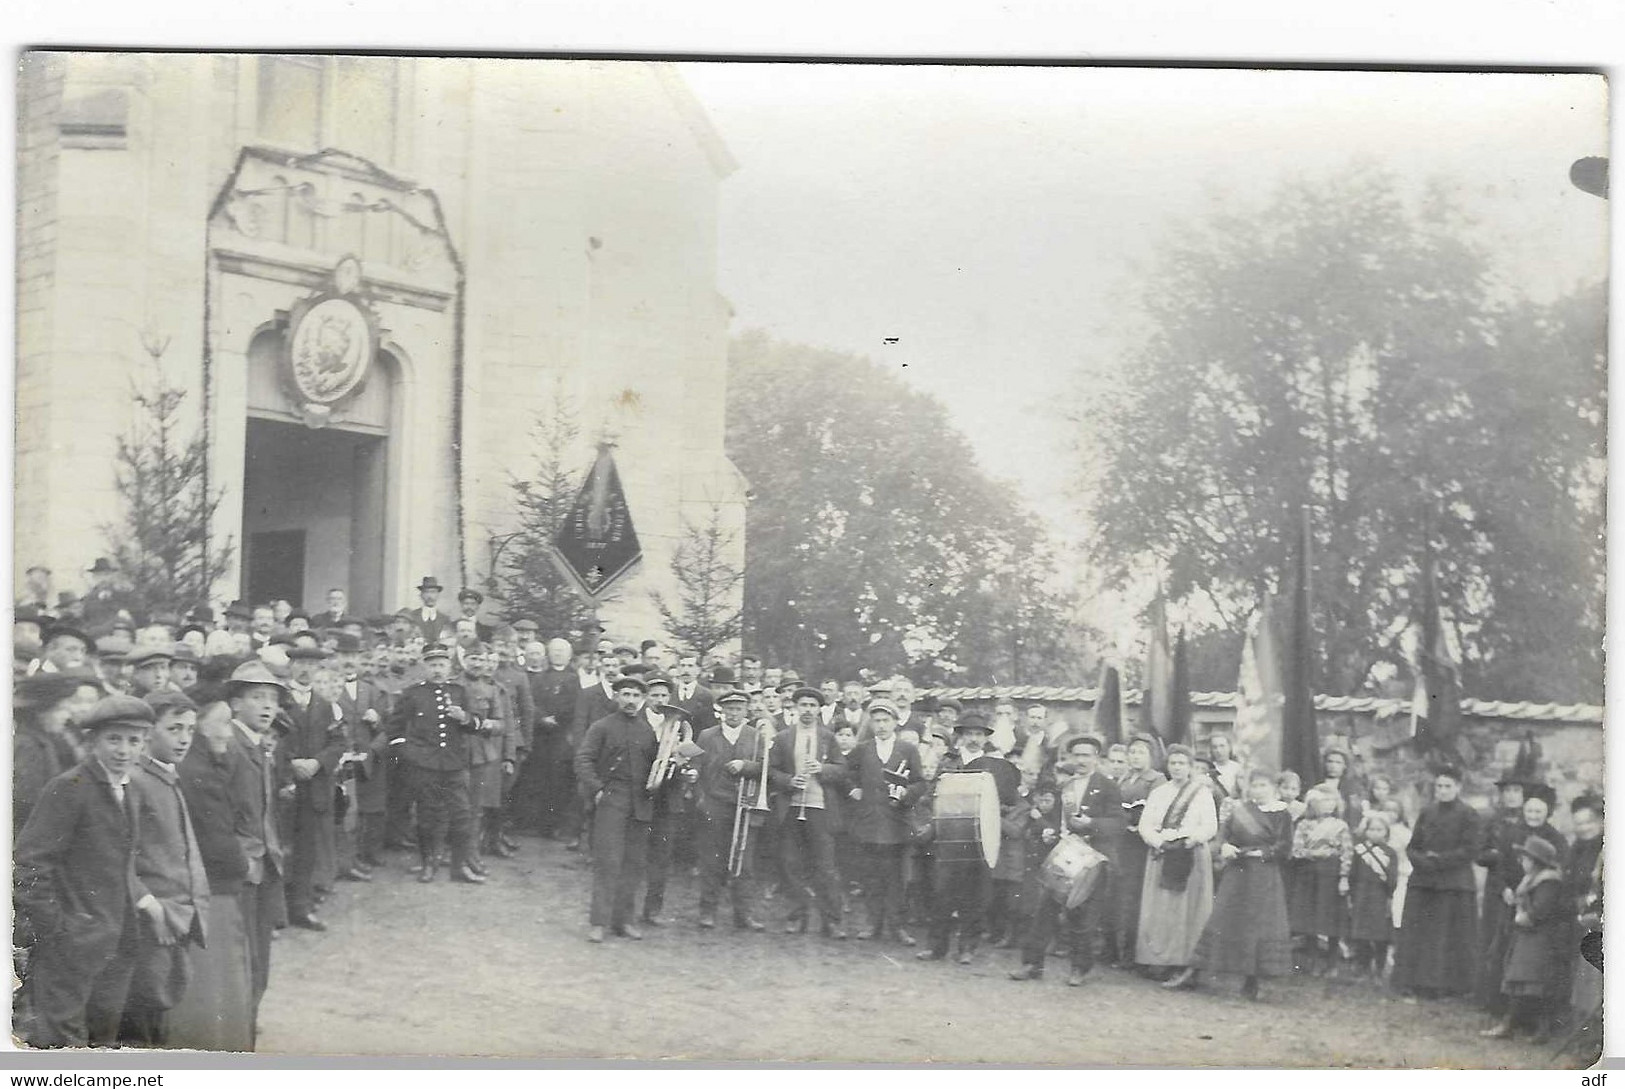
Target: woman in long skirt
x=1177, y=895
x=1437, y=947
x=1248, y=933
x=1129, y=878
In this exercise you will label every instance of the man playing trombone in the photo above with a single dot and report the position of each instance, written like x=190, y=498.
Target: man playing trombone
x=733, y=790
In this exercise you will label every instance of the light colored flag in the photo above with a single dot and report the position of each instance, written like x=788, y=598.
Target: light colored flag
x=1260, y=692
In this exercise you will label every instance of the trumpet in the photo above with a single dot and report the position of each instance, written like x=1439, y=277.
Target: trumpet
x=738, y=845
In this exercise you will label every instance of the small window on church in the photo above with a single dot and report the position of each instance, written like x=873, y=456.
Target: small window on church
x=290, y=101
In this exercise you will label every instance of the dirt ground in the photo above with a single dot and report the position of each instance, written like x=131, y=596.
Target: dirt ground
x=504, y=970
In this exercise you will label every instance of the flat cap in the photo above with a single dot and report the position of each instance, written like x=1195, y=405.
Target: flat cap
x=631, y=680
x=805, y=693
x=525, y=624
x=884, y=706
x=142, y=656
x=736, y=696
x=119, y=710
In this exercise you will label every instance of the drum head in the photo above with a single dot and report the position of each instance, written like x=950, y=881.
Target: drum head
x=990, y=821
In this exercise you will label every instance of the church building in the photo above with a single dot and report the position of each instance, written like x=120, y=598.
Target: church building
x=370, y=275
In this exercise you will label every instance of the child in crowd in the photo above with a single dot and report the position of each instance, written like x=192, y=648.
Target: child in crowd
x=1373, y=876
x=1288, y=787
x=1322, y=850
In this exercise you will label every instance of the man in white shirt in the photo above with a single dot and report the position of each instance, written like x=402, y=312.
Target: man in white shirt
x=426, y=617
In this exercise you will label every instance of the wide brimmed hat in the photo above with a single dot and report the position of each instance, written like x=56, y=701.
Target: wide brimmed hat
x=1541, y=850
x=253, y=672
x=430, y=583
x=973, y=721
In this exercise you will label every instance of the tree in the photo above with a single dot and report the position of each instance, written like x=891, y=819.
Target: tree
x=1347, y=352
x=709, y=610
x=161, y=543
x=874, y=540
x=521, y=574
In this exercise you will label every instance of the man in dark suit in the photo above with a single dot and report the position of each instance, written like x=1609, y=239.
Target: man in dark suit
x=734, y=751
x=312, y=750
x=885, y=779
x=546, y=795
x=432, y=725
x=692, y=696
x=612, y=766
x=426, y=617
x=365, y=711
x=255, y=697
x=810, y=773
x=961, y=888
x=1091, y=806
x=79, y=902
x=468, y=626
x=337, y=602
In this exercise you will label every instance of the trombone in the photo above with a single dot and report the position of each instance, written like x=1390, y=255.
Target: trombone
x=739, y=844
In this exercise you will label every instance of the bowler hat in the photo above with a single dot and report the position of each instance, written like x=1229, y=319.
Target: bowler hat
x=253, y=672
x=807, y=693
x=973, y=721
x=1541, y=850
x=183, y=652
x=117, y=710
x=346, y=643
x=722, y=675
x=430, y=583
x=468, y=593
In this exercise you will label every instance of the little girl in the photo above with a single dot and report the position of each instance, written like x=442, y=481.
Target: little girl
x=1370, y=887
x=1323, y=849
x=1288, y=787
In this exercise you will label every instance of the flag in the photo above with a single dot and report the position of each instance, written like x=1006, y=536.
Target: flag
x=1179, y=707
x=1300, y=733
x=1437, y=701
x=1109, y=706
x=1157, y=703
x=1259, y=691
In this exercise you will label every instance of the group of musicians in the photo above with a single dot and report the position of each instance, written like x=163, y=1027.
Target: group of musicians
x=812, y=801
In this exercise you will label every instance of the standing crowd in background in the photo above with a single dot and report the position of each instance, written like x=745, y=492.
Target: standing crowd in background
x=184, y=789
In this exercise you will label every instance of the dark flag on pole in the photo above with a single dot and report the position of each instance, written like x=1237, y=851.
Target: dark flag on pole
x=596, y=544
x=1438, y=690
x=1109, y=706
x=1300, y=734
x=1179, y=709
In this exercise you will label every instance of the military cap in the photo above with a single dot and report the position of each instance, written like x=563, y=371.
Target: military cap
x=885, y=707
x=807, y=693
x=170, y=700
x=435, y=650
x=253, y=672
x=117, y=710
x=56, y=631
x=973, y=721
x=142, y=656
x=468, y=593
x=652, y=679
x=525, y=625
x=629, y=680
x=736, y=696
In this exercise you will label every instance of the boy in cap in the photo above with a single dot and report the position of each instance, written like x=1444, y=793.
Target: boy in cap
x=149, y=669
x=169, y=866
x=885, y=778
x=77, y=894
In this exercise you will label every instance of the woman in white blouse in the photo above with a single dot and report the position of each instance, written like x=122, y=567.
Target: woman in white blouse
x=1179, y=822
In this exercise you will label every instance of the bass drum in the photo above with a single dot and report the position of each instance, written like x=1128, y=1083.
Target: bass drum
x=967, y=818
x=1071, y=871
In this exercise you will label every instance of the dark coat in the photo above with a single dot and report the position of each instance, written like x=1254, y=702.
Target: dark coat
x=1443, y=845
x=75, y=865
x=875, y=817
x=782, y=768
x=373, y=739
x=168, y=860
x=431, y=630
x=1100, y=800
x=1537, y=955
x=615, y=755
x=701, y=706
x=718, y=787
x=206, y=782
x=255, y=799
x=591, y=704
x=423, y=732
x=319, y=735
x=553, y=693
x=34, y=763
x=517, y=685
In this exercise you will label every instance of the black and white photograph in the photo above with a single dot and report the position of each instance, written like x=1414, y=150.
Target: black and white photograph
x=809, y=561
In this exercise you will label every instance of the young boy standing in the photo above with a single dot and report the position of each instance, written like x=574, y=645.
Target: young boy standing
x=76, y=889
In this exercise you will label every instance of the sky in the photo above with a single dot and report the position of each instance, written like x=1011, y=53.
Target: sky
x=997, y=221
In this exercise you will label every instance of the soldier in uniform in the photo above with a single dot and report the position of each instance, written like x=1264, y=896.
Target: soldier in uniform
x=491, y=750
x=432, y=724
x=612, y=766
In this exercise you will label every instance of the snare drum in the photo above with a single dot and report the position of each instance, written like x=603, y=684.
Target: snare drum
x=967, y=818
x=1071, y=871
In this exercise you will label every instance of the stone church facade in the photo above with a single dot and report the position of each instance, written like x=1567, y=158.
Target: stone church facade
x=370, y=275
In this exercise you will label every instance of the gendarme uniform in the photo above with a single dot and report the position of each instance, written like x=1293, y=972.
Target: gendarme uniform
x=434, y=755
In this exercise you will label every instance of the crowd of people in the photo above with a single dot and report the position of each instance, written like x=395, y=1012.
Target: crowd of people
x=184, y=789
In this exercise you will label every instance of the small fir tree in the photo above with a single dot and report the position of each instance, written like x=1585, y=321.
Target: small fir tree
x=709, y=611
